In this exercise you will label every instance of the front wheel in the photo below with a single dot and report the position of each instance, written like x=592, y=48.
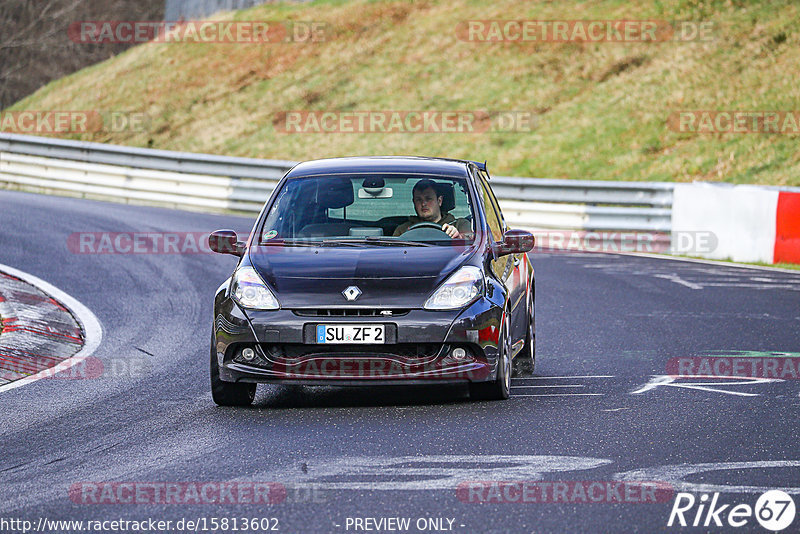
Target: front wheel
x=227, y=393
x=500, y=388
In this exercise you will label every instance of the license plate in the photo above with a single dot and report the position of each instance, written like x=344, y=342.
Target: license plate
x=350, y=333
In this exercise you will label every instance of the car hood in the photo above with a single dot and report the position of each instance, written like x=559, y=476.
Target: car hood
x=388, y=277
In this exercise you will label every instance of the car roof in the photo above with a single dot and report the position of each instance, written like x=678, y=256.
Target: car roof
x=382, y=165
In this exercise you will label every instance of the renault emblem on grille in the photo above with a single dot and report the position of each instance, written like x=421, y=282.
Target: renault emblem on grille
x=351, y=293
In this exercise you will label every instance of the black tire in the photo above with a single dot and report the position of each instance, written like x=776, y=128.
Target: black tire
x=227, y=393
x=525, y=362
x=500, y=388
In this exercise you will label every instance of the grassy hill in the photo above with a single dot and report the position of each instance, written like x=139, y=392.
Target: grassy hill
x=601, y=108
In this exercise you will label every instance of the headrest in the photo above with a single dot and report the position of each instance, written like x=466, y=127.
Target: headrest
x=445, y=190
x=335, y=193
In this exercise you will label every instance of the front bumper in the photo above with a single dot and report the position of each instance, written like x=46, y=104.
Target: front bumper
x=418, y=348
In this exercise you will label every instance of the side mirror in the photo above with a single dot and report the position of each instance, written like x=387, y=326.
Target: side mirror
x=514, y=242
x=225, y=242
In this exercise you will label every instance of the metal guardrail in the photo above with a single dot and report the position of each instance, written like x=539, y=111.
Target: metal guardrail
x=221, y=183
x=584, y=204
x=198, y=9
x=654, y=194
x=144, y=158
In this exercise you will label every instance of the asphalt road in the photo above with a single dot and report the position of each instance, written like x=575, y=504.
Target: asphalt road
x=607, y=324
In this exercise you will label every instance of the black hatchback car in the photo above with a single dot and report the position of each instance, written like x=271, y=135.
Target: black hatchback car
x=372, y=271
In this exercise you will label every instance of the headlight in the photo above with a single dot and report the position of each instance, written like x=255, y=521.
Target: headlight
x=251, y=292
x=461, y=288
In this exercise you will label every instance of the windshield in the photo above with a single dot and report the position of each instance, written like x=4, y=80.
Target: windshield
x=379, y=209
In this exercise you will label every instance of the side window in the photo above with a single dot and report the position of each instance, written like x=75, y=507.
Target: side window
x=495, y=203
x=495, y=225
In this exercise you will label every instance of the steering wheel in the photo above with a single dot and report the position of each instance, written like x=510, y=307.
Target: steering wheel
x=425, y=225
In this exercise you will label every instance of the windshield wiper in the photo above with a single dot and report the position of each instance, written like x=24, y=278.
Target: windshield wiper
x=334, y=242
x=377, y=240
x=348, y=242
x=288, y=243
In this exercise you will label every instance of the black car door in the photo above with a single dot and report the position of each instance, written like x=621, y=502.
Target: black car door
x=509, y=267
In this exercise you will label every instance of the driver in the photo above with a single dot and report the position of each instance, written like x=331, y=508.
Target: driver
x=427, y=204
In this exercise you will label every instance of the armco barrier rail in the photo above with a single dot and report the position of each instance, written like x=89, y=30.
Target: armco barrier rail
x=587, y=205
x=220, y=183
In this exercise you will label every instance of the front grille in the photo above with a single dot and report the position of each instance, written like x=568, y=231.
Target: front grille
x=351, y=312
x=271, y=355
x=403, y=351
x=361, y=362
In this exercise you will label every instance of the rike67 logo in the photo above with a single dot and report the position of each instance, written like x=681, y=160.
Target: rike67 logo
x=774, y=510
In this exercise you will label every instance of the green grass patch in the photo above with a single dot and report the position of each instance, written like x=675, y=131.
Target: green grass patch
x=601, y=109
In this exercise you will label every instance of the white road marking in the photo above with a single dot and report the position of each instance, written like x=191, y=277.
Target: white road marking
x=92, y=331
x=446, y=472
x=678, y=280
x=754, y=286
x=549, y=377
x=670, y=380
x=551, y=386
x=516, y=385
x=436, y=472
x=558, y=395
x=726, y=265
x=697, y=277
x=674, y=475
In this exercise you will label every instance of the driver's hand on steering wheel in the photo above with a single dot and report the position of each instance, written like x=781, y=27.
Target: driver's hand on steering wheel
x=451, y=231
